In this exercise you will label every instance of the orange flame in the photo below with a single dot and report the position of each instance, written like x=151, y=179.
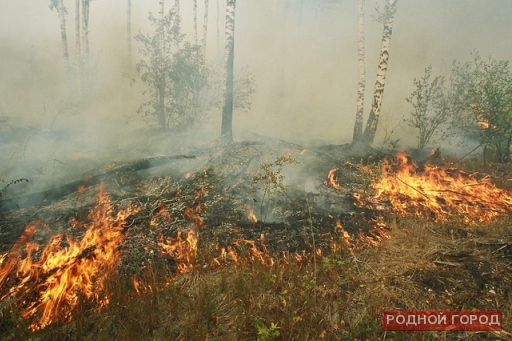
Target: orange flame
x=438, y=193
x=182, y=250
x=347, y=238
x=162, y=217
x=191, y=213
x=332, y=179
x=252, y=217
x=64, y=274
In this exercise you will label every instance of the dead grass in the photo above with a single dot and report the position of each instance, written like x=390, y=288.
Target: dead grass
x=423, y=266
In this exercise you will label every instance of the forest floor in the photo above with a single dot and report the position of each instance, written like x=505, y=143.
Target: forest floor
x=250, y=241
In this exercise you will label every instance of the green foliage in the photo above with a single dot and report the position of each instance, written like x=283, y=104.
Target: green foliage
x=181, y=88
x=175, y=73
x=483, y=94
x=430, y=106
x=266, y=333
x=270, y=180
x=243, y=88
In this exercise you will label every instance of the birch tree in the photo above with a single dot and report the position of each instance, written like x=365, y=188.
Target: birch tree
x=78, y=47
x=176, y=77
x=195, y=21
x=85, y=30
x=387, y=18
x=61, y=10
x=205, y=26
x=162, y=79
x=227, y=112
x=361, y=85
x=129, y=31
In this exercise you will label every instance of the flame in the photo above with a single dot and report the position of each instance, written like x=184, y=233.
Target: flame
x=182, y=250
x=191, y=213
x=347, y=238
x=67, y=269
x=252, y=217
x=254, y=251
x=201, y=193
x=437, y=193
x=332, y=179
x=162, y=217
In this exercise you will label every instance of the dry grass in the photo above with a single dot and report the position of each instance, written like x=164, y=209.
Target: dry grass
x=424, y=265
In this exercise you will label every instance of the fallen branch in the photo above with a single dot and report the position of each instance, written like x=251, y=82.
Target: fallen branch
x=48, y=196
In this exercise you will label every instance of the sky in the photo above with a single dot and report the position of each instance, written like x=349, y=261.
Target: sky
x=303, y=55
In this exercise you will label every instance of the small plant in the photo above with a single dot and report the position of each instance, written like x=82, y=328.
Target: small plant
x=272, y=181
x=265, y=333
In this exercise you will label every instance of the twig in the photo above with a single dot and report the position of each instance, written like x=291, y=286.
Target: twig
x=471, y=151
x=417, y=190
x=311, y=228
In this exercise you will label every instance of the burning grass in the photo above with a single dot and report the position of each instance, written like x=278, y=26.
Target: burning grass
x=439, y=194
x=46, y=286
x=199, y=277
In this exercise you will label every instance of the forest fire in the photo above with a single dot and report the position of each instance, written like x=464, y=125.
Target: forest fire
x=332, y=180
x=437, y=193
x=49, y=286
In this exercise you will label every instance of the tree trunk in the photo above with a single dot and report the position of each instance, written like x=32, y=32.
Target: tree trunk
x=371, y=124
x=205, y=26
x=195, y=21
x=129, y=32
x=161, y=83
x=85, y=32
x=227, y=112
x=61, y=10
x=219, y=44
x=361, y=85
x=78, y=48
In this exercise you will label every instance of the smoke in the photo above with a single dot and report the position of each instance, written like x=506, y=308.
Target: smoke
x=303, y=55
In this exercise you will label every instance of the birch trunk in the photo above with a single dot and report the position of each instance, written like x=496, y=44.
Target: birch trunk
x=129, y=31
x=161, y=83
x=195, y=22
x=78, y=48
x=227, y=112
x=361, y=85
x=85, y=31
x=373, y=119
x=205, y=26
x=61, y=10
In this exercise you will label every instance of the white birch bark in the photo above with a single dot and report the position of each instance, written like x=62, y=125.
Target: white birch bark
x=195, y=22
x=361, y=85
x=205, y=27
x=227, y=112
x=78, y=47
x=61, y=10
x=129, y=32
x=371, y=124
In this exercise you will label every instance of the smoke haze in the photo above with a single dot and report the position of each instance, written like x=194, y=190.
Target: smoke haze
x=303, y=55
